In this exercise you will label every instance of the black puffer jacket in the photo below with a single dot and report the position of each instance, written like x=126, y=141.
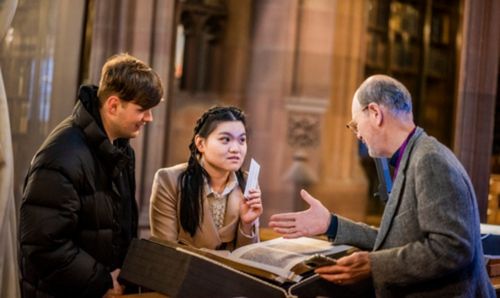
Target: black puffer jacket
x=72, y=211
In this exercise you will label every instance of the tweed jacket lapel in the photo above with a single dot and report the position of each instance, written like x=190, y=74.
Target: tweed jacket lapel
x=397, y=191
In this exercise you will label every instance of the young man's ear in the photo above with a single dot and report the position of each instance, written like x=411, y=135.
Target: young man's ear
x=111, y=104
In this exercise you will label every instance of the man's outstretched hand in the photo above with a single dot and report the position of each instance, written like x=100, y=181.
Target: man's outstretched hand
x=310, y=222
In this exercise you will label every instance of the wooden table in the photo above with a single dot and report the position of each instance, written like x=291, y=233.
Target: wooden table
x=496, y=284
x=267, y=234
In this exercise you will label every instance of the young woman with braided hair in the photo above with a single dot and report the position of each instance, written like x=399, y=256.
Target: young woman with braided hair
x=200, y=203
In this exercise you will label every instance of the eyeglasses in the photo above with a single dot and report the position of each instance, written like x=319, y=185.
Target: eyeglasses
x=353, y=125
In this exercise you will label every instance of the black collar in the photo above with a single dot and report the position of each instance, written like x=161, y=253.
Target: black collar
x=86, y=115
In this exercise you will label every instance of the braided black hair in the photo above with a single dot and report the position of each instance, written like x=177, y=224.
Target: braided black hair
x=191, y=180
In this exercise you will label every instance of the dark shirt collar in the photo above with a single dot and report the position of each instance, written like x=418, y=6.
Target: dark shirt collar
x=396, y=157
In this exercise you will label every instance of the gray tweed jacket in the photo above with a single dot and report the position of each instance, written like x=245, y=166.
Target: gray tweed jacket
x=428, y=243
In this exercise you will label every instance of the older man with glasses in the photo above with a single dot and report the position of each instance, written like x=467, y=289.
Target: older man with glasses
x=428, y=243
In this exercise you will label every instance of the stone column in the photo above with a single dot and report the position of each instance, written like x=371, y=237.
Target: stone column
x=268, y=85
x=152, y=146
x=343, y=186
x=309, y=50
x=476, y=93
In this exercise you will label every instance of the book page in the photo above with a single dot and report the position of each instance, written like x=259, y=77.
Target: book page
x=282, y=274
x=279, y=256
x=285, y=274
x=273, y=257
x=286, y=253
x=302, y=245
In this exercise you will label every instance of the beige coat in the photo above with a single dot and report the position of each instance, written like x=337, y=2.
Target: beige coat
x=165, y=221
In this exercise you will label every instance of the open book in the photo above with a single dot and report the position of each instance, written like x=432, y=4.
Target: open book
x=280, y=260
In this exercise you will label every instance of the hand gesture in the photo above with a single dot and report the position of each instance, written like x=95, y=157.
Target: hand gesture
x=310, y=222
x=250, y=209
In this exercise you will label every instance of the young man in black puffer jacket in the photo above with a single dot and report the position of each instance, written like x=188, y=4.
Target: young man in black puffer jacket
x=78, y=213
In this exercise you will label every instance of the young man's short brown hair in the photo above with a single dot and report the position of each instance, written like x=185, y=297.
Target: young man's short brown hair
x=131, y=80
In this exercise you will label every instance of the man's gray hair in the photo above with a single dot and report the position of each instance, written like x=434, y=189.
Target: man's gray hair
x=387, y=91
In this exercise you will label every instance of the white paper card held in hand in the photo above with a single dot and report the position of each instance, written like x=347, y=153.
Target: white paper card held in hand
x=253, y=177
